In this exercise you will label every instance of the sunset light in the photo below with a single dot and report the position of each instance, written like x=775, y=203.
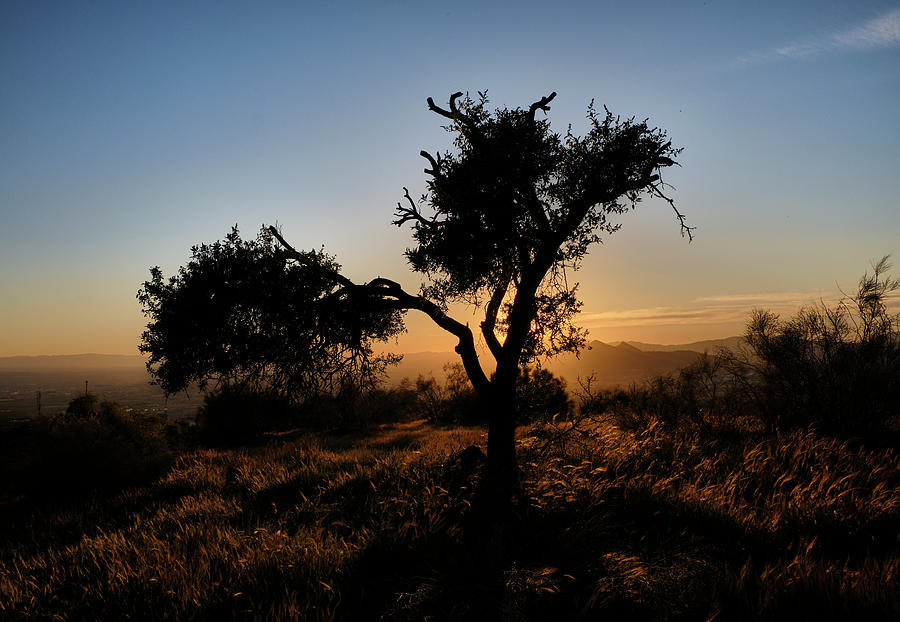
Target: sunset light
x=456, y=311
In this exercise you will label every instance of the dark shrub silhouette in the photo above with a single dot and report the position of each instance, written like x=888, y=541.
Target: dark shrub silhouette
x=232, y=414
x=95, y=445
x=541, y=396
x=837, y=367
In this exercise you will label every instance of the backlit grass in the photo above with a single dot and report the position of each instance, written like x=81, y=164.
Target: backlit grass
x=656, y=524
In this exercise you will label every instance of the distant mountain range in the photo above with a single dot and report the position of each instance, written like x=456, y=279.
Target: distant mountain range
x=708, y=345
x=611, y=364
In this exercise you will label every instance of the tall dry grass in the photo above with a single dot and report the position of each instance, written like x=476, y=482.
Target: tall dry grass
x=658, y=524
x=691, y=522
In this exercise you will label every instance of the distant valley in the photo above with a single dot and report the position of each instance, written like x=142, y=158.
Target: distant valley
x=55, y=380
x=50, y=382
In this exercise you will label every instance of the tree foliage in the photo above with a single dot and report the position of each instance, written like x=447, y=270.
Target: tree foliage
x=238, y=313
x=517, y=205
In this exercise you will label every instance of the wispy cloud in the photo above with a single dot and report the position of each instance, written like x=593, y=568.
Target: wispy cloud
x=717, y=309
x=881, y=32
x=663, y=316
x=762, y=298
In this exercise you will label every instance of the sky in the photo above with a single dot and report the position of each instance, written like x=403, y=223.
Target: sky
x=131, y=131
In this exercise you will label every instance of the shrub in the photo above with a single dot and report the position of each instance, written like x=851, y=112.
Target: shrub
x=233, y=414
x=835, y=367
x=541, y=396
x=432, y=399
x=93, y=446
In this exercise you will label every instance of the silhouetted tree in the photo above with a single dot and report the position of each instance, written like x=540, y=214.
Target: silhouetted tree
x=238, y=314
x=505, y=218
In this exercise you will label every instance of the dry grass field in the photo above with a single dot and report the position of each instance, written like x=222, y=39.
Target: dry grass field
x=648, y=524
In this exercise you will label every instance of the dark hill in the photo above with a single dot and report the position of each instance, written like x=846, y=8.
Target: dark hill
x=619, y=365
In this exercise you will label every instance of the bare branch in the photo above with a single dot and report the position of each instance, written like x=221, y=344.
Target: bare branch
x=394, y=295
x=541, y=104
x=301, y=258
x=465, y=347
x=453, y=114
x=490, y=320
x=453, y=99
x=405, y=214
x=656, y=191
x=435, y=108
x=435, y=170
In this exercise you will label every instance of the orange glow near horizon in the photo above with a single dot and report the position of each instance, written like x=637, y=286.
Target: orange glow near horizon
x=129, y=136
x=112, y=326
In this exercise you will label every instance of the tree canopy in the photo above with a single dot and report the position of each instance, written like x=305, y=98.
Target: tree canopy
x=516, y=206
x=238, y=313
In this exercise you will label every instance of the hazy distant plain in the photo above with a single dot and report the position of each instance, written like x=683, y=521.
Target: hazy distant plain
x=124, y=379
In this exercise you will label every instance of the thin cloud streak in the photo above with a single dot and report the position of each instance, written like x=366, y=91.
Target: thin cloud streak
x=662, y=316
x=731, y=309
x=764, y=297
x=881, y=32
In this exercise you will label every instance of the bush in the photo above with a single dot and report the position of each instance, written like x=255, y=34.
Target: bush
x=837, y=368
x=452, y=402
x=93, y=446
x=233, y=414
x=541, y=396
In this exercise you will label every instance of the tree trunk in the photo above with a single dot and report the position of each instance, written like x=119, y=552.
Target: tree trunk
x=503, y=472
x=502, y=468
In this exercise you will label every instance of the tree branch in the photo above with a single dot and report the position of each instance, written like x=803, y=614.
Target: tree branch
x=453, y=107
x=299, y=257
x=536, y=209
x=490, y=320
x=453, y=114
x=405, y=214
x=685, y=230
x=392, y=293
x=578, y=209
x=541, y=104
x=435, y=170
x=466, y=345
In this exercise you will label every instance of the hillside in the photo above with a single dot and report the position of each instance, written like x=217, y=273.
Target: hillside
x=611, y=365
x=707, y=345
x=70, y=362
x=611, y=524
x=619, y=365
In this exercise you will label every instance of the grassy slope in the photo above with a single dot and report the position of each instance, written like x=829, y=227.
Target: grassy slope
x=655, y=525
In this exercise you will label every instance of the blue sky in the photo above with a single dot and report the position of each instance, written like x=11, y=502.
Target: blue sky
x=131, y=131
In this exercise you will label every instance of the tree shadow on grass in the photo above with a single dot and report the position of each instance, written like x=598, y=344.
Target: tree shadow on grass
x=631, y=554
